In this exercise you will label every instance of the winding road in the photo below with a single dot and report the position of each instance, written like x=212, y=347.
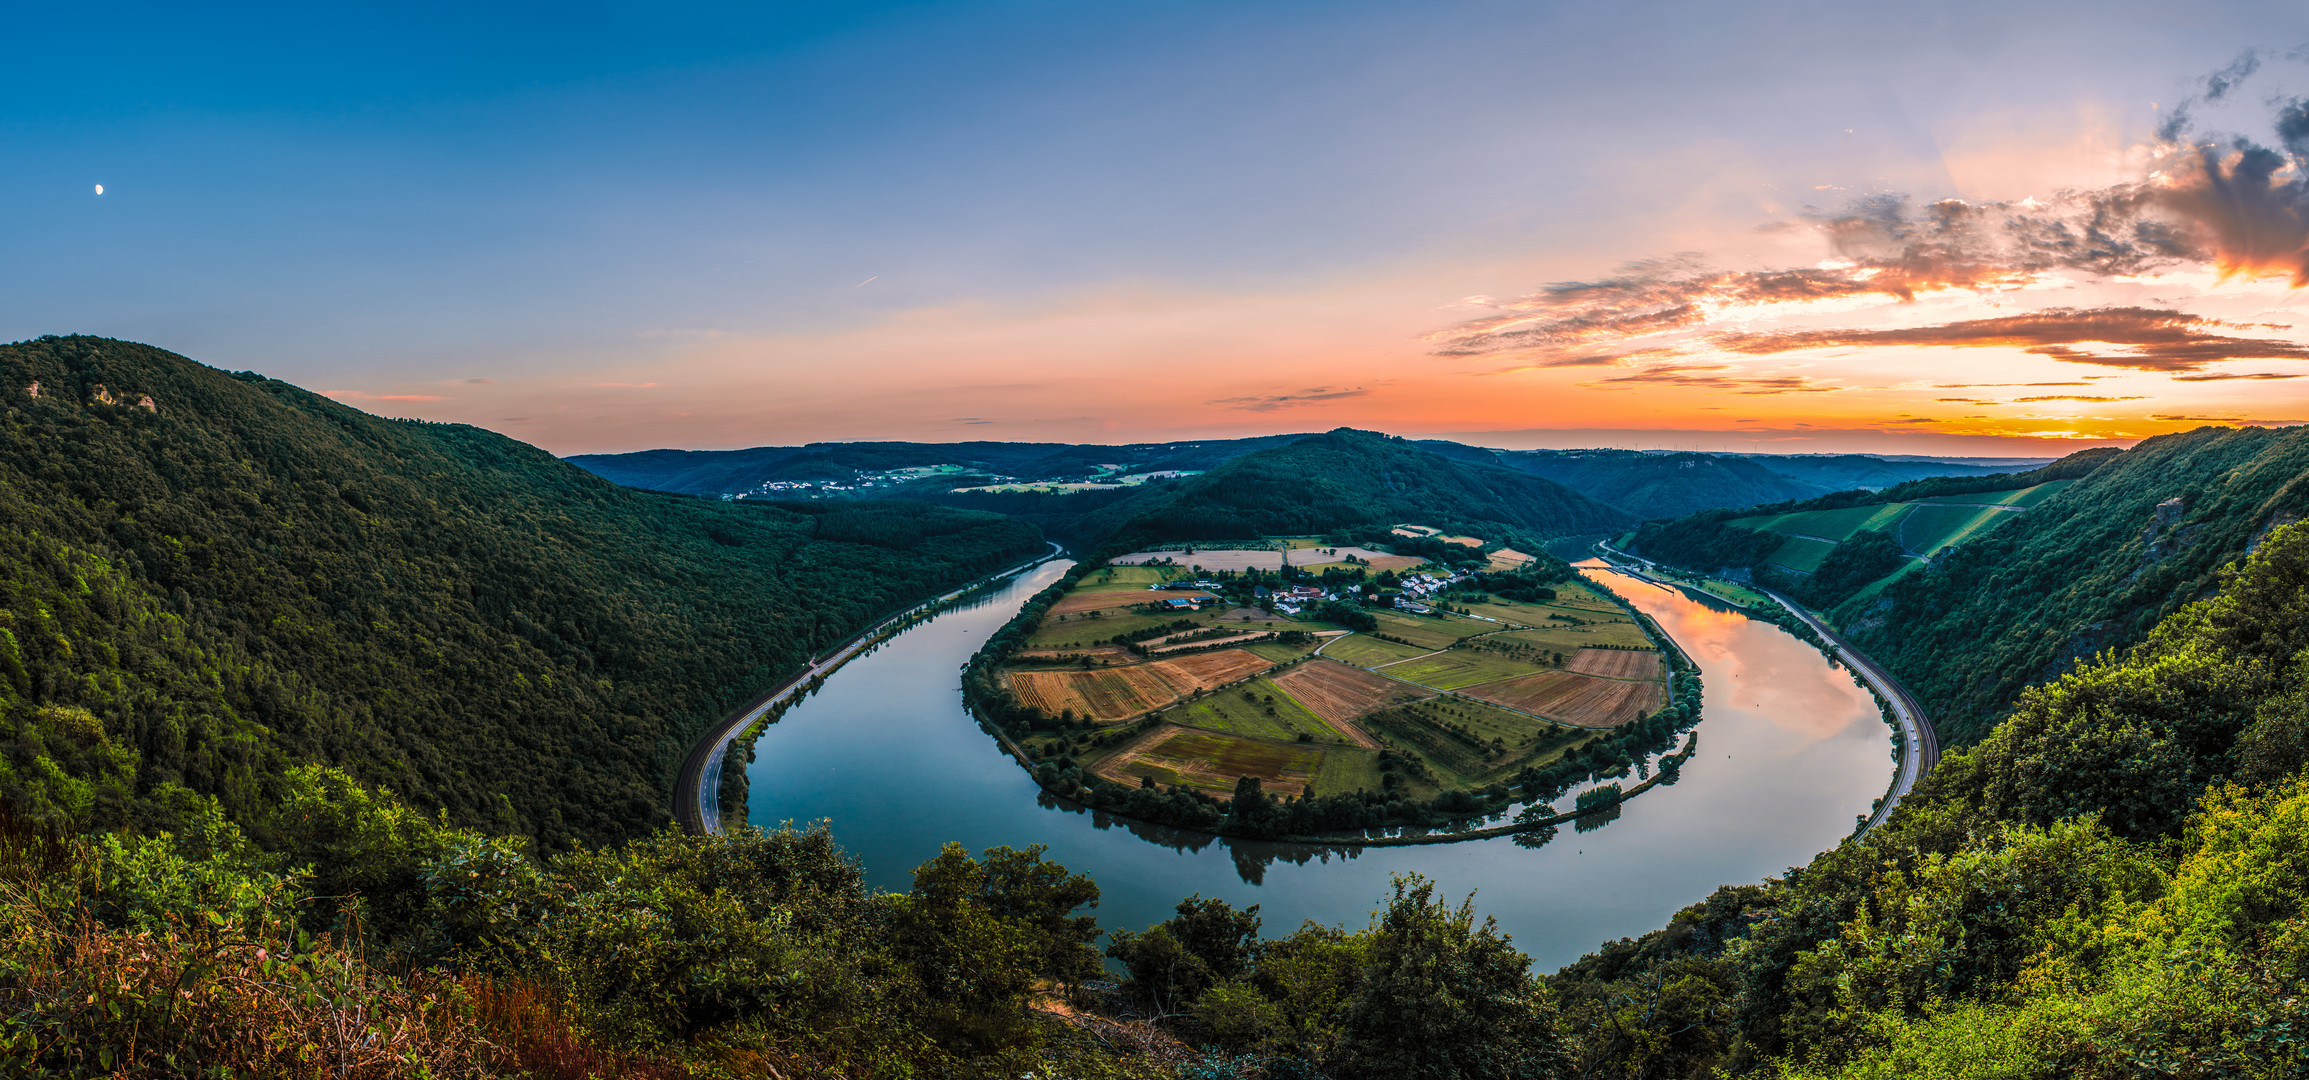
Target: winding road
x=697, y=789
x=1919, y=743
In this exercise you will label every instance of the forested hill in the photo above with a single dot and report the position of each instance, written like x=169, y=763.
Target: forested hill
x=2092, y=568
x=1653, y=485
x=1660, y=485
x=206, y=578
x=2115, y=883
x=2135, y=535
x=1348, y=478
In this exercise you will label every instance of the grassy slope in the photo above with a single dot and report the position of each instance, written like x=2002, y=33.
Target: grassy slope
x=254, y=575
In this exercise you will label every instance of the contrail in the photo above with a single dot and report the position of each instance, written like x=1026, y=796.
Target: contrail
x=863, y=282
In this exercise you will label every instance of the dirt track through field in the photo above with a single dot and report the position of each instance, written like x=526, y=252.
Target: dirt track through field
x=1615, y=663
x=1340, y=692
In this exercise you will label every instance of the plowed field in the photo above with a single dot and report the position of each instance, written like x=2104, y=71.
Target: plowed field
x=1339, y=692
x=1615, y=663
x=1126, y=692
x=1575, y=699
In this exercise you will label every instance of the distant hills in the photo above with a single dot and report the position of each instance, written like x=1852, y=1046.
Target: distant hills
x=1345, y=478
x=208, y=578
x=1642, y=484
x=1652, y=485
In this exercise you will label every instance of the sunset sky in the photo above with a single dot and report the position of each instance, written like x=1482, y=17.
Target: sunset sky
x=1977, y=228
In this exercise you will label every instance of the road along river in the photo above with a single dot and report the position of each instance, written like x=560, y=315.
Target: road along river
x=1791, y=754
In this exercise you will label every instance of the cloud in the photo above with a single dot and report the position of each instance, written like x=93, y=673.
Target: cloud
x=1985, y=385
x=2223, y=376
x=1272, y=402
x=621, y=385
x=480, y=381
x=2176, y=418
x=2227, y=203
x=2157, y=339
x=410, y=397
x=2077, y=397
x=1703, y=376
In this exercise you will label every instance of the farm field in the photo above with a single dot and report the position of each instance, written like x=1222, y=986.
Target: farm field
x=1579, y=700
x=1455, y=669
x=1115, y=694
x=1435, y=633
x=1830, y=525
x=1337, y=691
x=1507, y=559
x=1363, y=650
x=1344, y=770
x=1566, y=639
x=1473, y=759
x=1928, y=528
x=1267, y=712
x=1615, y=663
x=1801, y=553
x=1212, y=762
x=1279, y=652
x=1208, y=559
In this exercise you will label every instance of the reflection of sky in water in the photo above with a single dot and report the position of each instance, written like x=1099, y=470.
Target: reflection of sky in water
x=1790, y=751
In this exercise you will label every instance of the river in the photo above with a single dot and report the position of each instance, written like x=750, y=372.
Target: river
x=1790, y=752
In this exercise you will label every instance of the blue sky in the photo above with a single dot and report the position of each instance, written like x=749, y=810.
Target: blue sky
x=744, y=225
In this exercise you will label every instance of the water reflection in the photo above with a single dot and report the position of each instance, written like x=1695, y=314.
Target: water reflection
x=1791, y=751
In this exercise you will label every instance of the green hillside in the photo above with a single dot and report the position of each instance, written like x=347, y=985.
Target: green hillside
x=239, y=576
x=2114, y=883
x=1348, y=478
x=2089, y=569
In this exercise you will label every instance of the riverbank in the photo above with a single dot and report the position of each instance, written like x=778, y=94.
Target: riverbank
x=697, y=787
x=1919, y=740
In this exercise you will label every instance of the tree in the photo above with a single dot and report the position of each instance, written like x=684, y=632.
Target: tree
x=1445, y=999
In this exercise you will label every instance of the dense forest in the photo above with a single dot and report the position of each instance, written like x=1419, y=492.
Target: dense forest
x=211, y=578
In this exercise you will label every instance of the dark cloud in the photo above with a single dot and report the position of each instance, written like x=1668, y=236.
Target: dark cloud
x=2173, y=418
x=2160, y=339
x=1272, y=402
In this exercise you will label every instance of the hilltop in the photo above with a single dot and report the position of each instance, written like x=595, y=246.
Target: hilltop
x=1346, y=478
x=211, y=578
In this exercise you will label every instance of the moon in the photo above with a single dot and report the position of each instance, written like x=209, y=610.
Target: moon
x=100, y=189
